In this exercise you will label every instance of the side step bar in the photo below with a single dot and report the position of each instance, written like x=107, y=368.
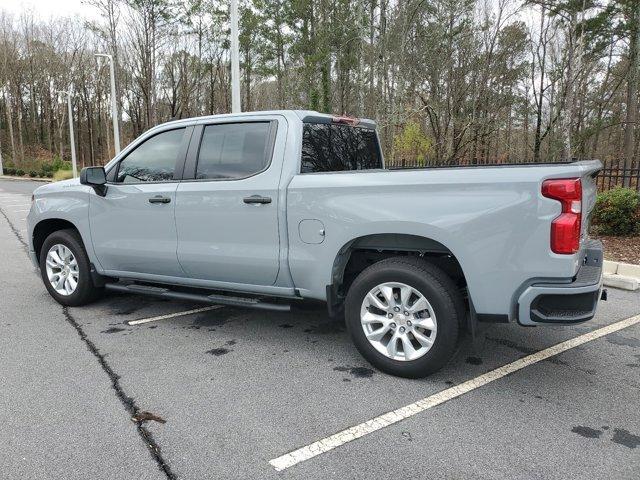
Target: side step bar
x=194, y=297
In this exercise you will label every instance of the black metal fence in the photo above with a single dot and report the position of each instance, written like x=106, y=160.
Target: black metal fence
x=613, y=174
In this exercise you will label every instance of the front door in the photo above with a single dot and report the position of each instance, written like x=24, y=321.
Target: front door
x=227, y=214
x=133, y=227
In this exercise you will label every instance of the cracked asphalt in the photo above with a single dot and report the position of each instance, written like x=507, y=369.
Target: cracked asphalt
x=238, y=388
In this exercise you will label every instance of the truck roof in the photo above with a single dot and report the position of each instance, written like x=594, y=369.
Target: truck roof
x=310, y=116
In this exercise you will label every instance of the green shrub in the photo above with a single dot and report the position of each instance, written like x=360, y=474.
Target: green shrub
x=62, y=175
x=616, y=212
x=58, y=164
x=20, y=172
x=33, y=173
x=9, y=171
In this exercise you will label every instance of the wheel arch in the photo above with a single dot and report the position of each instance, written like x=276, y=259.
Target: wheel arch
x=46, y=227
x=360, y=252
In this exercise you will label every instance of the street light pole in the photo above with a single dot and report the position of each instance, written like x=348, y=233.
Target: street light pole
x=1, y=169
x=235, y=61
x=72, y=140
x=114, y=102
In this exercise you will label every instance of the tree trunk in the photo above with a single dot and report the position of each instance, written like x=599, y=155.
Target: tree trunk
x=632, y=93
x=569, y=107
x=538, y=138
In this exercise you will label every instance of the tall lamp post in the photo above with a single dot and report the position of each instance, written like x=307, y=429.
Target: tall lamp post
x=1, y=169
x=235, y=61
x=114, y=102
x=72, y=140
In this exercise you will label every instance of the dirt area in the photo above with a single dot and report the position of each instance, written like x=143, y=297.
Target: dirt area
x=621, y=249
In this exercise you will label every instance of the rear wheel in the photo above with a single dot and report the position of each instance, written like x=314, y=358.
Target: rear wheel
x=65, y=269
x=403, y=315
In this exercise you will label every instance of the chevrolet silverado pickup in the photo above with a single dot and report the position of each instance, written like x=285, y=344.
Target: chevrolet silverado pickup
x=263, y=209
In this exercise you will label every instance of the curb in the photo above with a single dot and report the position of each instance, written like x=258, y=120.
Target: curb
x=25, y=179
x=621, y=275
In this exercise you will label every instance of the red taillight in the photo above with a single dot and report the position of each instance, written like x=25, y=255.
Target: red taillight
x=565, y=229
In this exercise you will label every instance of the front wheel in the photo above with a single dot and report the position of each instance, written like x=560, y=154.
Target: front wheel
x=65, y=269
x=403, y=315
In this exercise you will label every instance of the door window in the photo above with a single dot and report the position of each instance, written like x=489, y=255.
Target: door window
x=152, y=161
x=233, y=150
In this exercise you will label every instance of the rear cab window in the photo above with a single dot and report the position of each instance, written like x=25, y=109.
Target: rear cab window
x=334, y=147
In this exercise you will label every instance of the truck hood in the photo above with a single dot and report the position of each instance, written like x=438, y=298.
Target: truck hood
x=57, y=186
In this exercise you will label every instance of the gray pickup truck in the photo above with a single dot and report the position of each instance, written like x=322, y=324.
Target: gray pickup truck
x=263, y=209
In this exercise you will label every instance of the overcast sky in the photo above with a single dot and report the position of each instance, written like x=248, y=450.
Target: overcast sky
x=48, y=8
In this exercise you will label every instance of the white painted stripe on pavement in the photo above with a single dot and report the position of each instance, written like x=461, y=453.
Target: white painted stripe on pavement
x=338, y=439
x=16, y=205
x=172, y=315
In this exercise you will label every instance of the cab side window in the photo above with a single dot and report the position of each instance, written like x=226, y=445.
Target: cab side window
x=152, y=161
x=233, y=150
x=335, y=148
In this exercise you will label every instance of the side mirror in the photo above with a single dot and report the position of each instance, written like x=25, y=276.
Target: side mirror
x=95, y=177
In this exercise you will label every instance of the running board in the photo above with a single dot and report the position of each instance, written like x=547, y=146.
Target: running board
x=243, y=302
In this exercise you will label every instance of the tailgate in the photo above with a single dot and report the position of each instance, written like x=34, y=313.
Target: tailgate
x=590, y=170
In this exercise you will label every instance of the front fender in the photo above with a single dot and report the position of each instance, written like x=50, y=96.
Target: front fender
x=69, y=202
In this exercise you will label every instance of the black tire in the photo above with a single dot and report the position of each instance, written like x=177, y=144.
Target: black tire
x=85, y=291
x=439, y=290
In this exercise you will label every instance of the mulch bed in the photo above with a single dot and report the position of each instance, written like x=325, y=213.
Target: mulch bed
x=621, y=249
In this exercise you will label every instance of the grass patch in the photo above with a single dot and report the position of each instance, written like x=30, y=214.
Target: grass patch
x=62, y=175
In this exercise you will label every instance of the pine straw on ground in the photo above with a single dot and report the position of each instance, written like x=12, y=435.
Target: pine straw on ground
x=621, y=249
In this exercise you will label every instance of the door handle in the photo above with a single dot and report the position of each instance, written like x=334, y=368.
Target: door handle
x=257, y=199
x=159, y=199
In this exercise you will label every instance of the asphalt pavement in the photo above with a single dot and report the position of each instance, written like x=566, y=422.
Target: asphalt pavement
x=239, y=388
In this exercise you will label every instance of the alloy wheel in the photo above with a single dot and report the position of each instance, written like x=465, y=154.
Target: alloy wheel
x=398, y=321
x=62, y=269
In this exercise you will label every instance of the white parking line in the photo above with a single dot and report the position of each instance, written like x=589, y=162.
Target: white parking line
x=172, y=315
x=338, y=439
x=16, y=205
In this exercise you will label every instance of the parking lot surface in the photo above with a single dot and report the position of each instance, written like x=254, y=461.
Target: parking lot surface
x=239, y=388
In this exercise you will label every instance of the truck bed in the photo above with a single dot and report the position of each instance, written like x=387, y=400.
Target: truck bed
x=493, y=220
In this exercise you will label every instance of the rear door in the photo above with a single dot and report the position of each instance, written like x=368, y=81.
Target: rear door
x=227, y=204
x=133, y=227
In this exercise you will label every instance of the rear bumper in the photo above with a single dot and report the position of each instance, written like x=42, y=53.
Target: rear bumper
x=565, y=303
